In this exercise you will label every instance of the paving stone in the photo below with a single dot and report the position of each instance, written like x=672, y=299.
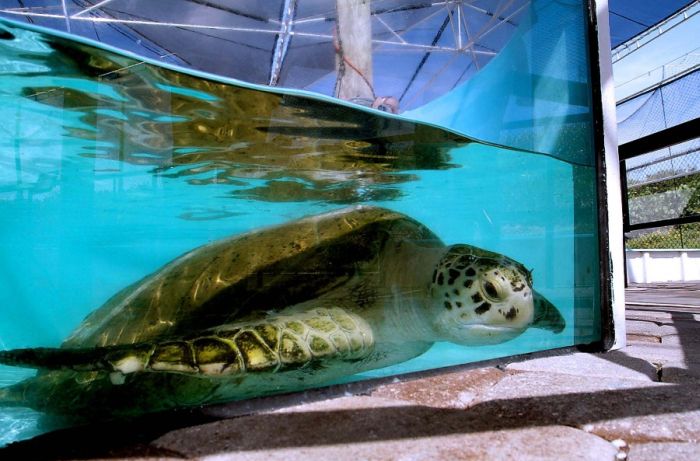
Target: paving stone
x=680, y=373
x=677, y=427
x=684, y=340
x=378, y=429
x=520, y=385
x=612, y=408
x=454, y=389
x=655, y=353
x=665, y=295
x=632, y=338
x=688, y=330
x=664, y=451
x=615, y=364
x=661, y=317
x=646, y=328
x=347, y=403
x=653, y=316
x=549, y=443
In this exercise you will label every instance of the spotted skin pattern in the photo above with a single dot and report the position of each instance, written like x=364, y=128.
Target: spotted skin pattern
x=471, y=283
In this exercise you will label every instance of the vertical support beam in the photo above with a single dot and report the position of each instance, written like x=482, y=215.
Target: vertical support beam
x=646, y=266
x=611, y=219
x=65, y=13
x=283, y=38
x=684, y=267
x=624, y=193
x=353, y=46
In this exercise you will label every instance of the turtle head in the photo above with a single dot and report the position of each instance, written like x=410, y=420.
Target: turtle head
x=479, y=297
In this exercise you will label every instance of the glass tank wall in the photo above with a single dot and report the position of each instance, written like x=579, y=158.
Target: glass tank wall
x=172, y=238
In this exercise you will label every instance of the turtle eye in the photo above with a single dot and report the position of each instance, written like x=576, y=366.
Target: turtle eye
x=492, y=290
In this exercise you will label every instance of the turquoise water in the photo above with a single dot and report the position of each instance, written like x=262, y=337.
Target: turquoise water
x=110, y=168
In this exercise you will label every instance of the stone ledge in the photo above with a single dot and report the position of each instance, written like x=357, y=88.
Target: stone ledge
x=647, y=328
x=632, y=338
x=371, y=428
x=685, y=341
x=631, y=410
x=548, y=443
x=680, y=373
x=614, y=364
x=664, y=353
x=455, y=389
x=661, y=317
x=664, y=451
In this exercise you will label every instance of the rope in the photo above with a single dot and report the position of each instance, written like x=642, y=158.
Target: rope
x=344, y=60
x=383, y=103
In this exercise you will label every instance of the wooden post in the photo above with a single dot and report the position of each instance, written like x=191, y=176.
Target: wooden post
x=353, y=46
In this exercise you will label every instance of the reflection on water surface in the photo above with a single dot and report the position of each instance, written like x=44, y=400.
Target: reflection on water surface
x=212, y=133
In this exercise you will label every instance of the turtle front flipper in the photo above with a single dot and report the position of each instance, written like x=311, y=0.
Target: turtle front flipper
x=275, y=343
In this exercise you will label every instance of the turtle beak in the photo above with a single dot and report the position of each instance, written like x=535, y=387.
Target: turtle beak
x=547, y=316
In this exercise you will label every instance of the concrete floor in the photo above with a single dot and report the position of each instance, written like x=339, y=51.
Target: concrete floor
x=639, y=403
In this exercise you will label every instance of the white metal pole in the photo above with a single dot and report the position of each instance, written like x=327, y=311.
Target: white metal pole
x=65, y=14
x=612, y=173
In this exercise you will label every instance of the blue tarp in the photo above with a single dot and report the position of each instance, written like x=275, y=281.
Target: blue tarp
x=663, y=107
x=535, y=94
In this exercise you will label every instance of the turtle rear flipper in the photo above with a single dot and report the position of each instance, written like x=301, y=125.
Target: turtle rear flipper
x=11, y=396
x=113, y=359
x=278, y=342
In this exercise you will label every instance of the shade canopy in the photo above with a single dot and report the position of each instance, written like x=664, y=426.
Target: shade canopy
x=420, y=49
x=629, y=18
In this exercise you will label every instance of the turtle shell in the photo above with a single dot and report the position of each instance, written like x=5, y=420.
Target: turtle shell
x=248, y=275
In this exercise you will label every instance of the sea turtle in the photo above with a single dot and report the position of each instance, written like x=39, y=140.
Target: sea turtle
x=288, y=307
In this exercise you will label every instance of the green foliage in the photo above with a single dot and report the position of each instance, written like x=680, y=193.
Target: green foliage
x=683, y=236
x=667, y=199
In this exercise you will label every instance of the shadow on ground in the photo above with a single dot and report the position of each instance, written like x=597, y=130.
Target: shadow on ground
x=689, y=339
x=362, y=425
